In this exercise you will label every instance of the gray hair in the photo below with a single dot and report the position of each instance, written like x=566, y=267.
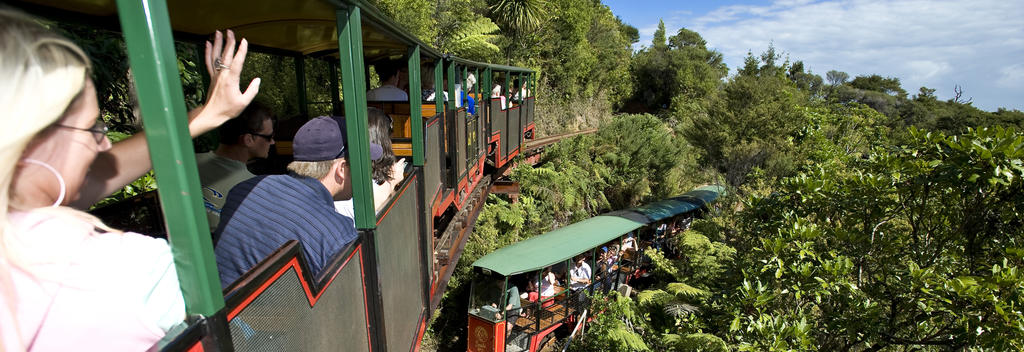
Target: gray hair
x=313, y=169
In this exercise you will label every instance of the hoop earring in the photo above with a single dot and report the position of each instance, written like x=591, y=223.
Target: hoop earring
x=60, y=179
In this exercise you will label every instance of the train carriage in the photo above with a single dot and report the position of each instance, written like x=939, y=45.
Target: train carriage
x=378, y=292
x=612, y=245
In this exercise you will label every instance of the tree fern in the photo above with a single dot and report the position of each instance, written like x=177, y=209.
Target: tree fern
x=683, y=290
x=475, y=38
x=653, y=298
x=679, y=309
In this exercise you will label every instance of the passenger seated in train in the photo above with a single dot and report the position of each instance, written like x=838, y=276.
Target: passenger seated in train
x=520, y=95
x=467, y=100
x=548, y=283
x=496, y=93
x=612, y=267
x=264, y=212
x=247, y=137
x=427, y=80
x=530, y=295
x=385, y=169
x=390, y=80
x=68, y=282
x=629, y=243
x=513, y=308
x=579, y=278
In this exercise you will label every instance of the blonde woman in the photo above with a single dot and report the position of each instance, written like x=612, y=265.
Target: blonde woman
x=67, y=281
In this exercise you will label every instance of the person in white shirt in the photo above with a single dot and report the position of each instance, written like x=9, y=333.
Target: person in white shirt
x=580, y=274
x=496, y=93
x=388, y=90
x=579, y=279
x=547, y=287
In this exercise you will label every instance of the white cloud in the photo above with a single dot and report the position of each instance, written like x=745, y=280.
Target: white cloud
x=1012, y=76
x=935, y=43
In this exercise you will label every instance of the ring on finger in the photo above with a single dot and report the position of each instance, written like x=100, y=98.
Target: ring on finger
x=219, y=65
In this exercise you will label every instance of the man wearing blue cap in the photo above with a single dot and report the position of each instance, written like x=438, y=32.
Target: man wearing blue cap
x=264, y=212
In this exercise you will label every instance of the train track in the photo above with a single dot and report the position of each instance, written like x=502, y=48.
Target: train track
x=543, y=142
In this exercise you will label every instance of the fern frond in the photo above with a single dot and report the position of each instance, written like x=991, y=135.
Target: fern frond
x=683, y=290
x=625, y=337
x=476, y=37
x=679, y=310
x=653, y=297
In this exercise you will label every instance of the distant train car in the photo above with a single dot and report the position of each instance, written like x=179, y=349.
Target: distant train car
x=377, y=293
x=509, y=309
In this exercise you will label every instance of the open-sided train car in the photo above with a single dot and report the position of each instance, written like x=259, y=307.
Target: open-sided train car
x=508, y=310
x=376, y=293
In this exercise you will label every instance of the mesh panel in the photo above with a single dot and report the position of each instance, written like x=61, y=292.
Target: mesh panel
x=460, y=142
x=514, y=128
x=280, y=319
x=529, y=111
x=498, y=119
x=432, y=164
x=400, y=271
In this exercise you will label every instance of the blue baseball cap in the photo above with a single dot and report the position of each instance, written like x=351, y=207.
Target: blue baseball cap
x=323, y=138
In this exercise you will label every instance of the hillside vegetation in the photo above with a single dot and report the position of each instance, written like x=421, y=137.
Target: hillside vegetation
x=861, y=218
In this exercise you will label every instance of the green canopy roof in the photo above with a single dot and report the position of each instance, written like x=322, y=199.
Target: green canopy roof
x=687, y=202
x=539, y=252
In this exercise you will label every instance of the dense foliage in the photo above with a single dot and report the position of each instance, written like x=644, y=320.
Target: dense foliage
x=862, y=219
x=581, y=50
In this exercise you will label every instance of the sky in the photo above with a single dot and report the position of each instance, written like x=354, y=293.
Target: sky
x=940, y=44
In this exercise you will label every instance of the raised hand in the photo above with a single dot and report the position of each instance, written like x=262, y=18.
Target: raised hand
x=225, y=100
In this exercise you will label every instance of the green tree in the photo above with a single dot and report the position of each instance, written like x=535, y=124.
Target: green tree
x=678, y=75
x=750, y=125
x=915, y=247
x=659, y=36
x=836, y=78
x=631, y=33
x=887, y=85
x=518, y=17
x=416, y=16
x=806, y=81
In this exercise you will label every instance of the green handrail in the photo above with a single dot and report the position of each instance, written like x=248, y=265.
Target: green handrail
x=350, y=50
x=415, y=104
x=147, y=33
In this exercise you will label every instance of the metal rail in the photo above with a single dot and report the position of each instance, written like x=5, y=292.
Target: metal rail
x=543, y=142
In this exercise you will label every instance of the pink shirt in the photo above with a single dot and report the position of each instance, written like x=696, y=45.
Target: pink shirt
x=80, y=289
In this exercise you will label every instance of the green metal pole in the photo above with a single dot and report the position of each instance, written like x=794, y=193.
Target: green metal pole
x=353, y=81
x=415, y=104
x=508, y=88
x=451, y=83
x=439, y=99
x=147, y=34
x=488, y=85
x=462, y=83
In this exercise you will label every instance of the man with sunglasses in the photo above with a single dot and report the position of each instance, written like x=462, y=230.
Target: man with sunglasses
x=247, y=137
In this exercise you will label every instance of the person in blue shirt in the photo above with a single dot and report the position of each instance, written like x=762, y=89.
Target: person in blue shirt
x=467, y=100
x=264, y=212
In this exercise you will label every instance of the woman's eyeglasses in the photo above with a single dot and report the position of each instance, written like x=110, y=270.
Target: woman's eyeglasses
x=99, y=130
